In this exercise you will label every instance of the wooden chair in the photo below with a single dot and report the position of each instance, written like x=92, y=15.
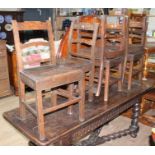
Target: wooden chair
x=137, y=31
x=46, y=80
x=148, y=103
x=114, y=56
x=81, y=49
x=149, y=58
x=113, y=45
x=102, y=55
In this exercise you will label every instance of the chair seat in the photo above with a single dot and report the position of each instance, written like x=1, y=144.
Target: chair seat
x=150, y=45
x=150, y=95
x=109, y=53
x=79, y=63
x=135, y=49
x=50, y=76
x=55, y=75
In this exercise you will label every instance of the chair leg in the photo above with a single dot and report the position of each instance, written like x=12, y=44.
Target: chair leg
x=142, y=110
x=54, y=98
x=141, y=64
x=82, y=101
x=100, y=79
x=106, y=83
x=120, y=74
x=22, y=108
x=70, y=89
x=145, y=65
x=91, y=85
x=130, y=74
x=40, y=115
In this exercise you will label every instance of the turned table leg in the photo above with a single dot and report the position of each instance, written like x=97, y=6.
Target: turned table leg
x=133, y=129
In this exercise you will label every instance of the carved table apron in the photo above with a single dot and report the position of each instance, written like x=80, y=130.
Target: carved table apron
x=63, y=129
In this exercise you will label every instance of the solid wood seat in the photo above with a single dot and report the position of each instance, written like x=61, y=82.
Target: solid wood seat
x=135, y=48
x=110, y=52
x=76, y=62
x=36, y=76
x=42, y=73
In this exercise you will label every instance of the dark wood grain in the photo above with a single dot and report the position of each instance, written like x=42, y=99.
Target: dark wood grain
x=62, y=129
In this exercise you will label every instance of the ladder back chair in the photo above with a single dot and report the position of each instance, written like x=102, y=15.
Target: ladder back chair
x=106, y=51
x=136, y=45
x=46, y=80
x=83, y=53
x=113, y=52
x=148, y=103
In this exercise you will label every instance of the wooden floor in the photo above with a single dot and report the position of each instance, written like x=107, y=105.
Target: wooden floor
x=59, y=123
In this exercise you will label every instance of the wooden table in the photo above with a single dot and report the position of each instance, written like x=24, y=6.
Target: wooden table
x=63, y=129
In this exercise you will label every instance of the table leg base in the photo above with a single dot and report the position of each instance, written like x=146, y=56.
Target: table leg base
x=95, y=139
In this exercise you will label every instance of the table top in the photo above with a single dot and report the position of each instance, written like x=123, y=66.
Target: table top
x=58, y=124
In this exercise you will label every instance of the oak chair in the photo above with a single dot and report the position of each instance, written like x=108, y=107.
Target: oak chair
x=46, y=78
x=113, y=52
x=100, y=54
x=137, y=34
x=81, y=50
x=109, y=52
x=148, y=103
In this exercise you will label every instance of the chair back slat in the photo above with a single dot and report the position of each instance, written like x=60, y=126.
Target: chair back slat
x=39, y=43
x=35, y=25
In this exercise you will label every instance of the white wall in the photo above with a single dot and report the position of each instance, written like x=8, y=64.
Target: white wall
x=10, y=9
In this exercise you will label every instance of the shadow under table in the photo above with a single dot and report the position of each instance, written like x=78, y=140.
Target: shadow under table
x=64, y=129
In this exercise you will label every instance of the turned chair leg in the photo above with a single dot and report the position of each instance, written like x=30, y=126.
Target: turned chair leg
x=130, y=74
x=40, y=115
x=22, y=108
x=120, y=70
x=70, y=89
x=106, y=83
x=82, y=101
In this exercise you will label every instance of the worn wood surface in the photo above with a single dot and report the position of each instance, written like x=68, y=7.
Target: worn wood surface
x=46, y=78
x=63, y=129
